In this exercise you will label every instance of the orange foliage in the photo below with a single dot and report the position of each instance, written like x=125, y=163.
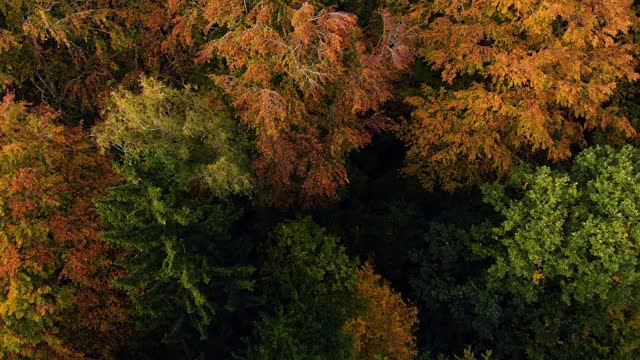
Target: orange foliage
x=306, y=81
x=528, y=77
x=56, y=297
x=386, y=329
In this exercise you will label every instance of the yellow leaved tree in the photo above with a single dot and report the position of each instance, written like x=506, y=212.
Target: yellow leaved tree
x=385, y=330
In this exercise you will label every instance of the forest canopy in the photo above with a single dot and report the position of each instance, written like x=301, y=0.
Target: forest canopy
x=354, y=179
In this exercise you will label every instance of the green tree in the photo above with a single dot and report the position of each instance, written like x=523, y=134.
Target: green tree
x=178, y=157
x=456, y=308
x=557, y=274
x=309, y=284
x=568, y=247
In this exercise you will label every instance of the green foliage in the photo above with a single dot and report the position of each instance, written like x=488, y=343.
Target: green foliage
x=182, y=269
x=562, y=220
x=560, y=275
x=568, y=248
x=467, y=354
x=304, y=258
x=310, y=284
x=456, y=307
x=182, y=126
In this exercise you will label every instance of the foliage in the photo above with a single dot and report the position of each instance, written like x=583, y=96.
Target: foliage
x=524, y=80
x=568, y=246
x=306, y=80
x=180, y=125
x=311, y=286
x=171, y=212
x=467, y=354
x=381, y=120
x=560, y=277
x=55, y=269
x=448, y=286
x=64, y=53
x=386, y=329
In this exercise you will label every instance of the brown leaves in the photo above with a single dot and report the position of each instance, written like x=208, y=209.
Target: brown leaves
x=63, y=52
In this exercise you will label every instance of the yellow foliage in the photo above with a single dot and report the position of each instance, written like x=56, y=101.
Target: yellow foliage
x=537, y=276
x=386, y=329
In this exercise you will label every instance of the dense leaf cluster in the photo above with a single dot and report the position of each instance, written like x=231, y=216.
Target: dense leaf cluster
x=354, y=179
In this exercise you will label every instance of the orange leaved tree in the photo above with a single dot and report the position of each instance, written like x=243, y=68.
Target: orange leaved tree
x=385, y=330
x=56, y=299
x=306, y=80
x=522, y=79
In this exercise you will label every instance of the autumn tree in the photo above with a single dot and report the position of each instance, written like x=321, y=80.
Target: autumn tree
x=306, y=80
x=65, y=53
x=386, y=329
x=521, y=80
x=181, y=159
x=56, y=297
